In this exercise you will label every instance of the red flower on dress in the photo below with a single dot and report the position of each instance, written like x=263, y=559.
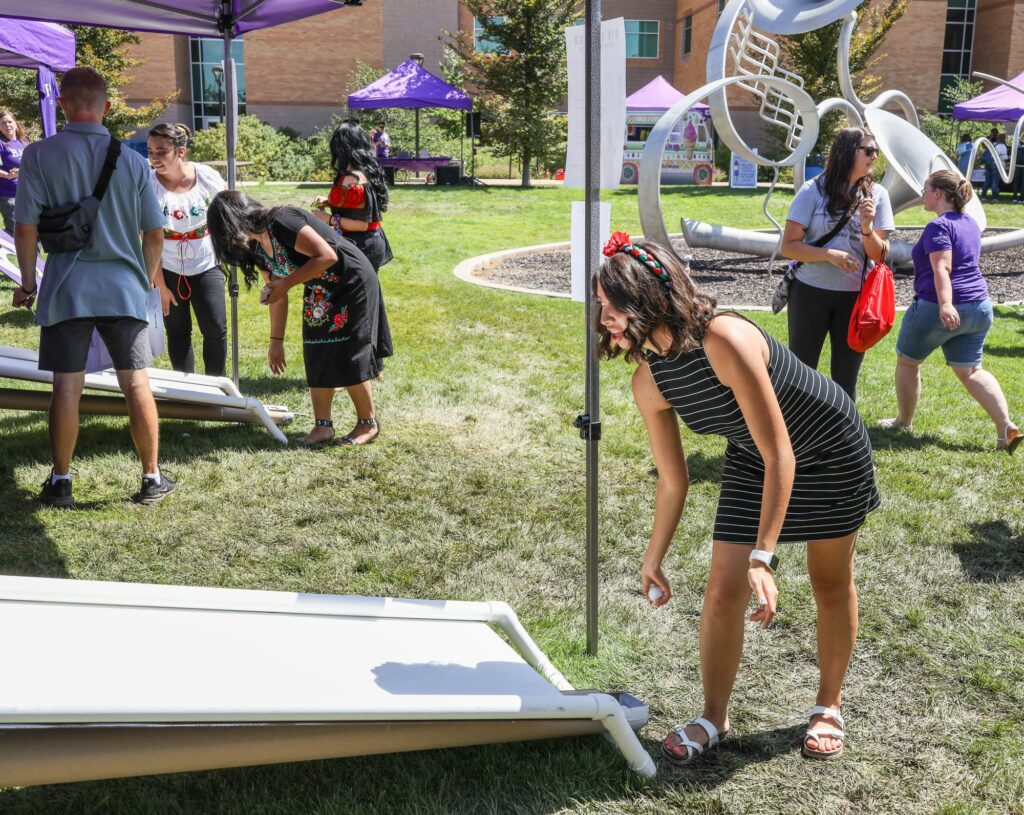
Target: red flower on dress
x=616, y=243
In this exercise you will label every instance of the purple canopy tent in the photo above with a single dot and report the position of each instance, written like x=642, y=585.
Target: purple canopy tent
x=45, y=48
x=224, y=19
x=410, y=86
x=1001, y=104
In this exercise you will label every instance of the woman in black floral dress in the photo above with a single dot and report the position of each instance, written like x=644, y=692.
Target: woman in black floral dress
x=343, y=335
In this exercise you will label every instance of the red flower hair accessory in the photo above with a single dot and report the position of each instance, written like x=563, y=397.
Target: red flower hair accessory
x=621, y=242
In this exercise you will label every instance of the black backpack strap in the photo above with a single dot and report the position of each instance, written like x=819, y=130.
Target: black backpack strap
x=109, y=165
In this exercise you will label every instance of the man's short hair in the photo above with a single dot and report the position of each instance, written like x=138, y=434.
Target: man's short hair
x=83, y=89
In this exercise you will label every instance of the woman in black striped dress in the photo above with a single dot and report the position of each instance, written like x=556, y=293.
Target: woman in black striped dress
x=797, y=468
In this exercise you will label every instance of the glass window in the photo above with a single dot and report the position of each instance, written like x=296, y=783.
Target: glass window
x=958, y=43
x=207, y=93
x=642, y=39
x=481, y=44
x=687, y=37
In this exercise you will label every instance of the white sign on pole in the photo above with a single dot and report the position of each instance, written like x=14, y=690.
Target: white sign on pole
x=613, y=103
x=742, y=173
x=578, y=246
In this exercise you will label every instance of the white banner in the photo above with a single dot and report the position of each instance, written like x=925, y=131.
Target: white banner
x=578, y=246
x=613, y=103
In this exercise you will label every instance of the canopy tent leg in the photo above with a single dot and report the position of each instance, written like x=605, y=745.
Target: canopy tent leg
x=231, y=124
x=591, y=428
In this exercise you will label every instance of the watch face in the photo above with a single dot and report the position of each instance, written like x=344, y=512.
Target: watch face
x=774, y=565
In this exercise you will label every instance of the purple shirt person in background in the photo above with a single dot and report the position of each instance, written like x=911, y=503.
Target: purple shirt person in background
x=951, y=310
x=958, y=233
x=381, y=140
x=12, y=144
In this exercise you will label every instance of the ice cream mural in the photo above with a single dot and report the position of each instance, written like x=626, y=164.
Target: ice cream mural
x=689, y=154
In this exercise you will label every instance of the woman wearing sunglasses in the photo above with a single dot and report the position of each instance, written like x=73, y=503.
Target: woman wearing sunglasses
x=829, y=277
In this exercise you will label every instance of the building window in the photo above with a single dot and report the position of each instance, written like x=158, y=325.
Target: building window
x=687, y=38
x=642, y=39
x=956, y=46
x=207, y=94
x=481, y=44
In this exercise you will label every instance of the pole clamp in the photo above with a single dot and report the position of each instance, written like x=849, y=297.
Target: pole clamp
x=233, y=289
x=589, y=431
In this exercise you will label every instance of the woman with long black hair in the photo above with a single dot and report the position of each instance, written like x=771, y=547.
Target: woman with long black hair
x=359, y=196
x=343, y=337
x=829, y=277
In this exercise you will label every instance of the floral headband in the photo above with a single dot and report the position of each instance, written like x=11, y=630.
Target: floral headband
x=621, y=242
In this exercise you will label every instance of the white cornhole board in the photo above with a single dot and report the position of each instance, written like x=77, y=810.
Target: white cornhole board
x=21, y=363
x=116, y=679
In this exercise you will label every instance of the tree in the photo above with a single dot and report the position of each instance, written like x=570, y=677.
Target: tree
x=521, y=75
x=813, y=56
x=105, y=50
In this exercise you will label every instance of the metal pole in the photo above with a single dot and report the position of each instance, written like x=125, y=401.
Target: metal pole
x=231, y=124
x=592, y=234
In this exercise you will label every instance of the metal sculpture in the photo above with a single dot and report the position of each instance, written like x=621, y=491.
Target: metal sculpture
x=743, y=54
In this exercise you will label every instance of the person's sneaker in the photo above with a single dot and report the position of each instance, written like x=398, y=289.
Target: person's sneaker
x=152, y=492
x=57, y=495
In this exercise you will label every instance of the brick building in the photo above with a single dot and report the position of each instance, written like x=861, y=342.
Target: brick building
x=295, y=75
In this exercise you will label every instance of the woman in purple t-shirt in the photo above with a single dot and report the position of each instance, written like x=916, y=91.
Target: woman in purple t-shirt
x=12, y=143
x=951, y=309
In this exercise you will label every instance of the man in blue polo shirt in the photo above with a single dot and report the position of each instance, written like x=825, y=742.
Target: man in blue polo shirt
x=103, y=287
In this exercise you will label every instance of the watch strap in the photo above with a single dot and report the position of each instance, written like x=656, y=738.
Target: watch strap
x=769, y=559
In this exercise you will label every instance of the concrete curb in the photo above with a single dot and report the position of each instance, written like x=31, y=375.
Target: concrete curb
x=466, y=269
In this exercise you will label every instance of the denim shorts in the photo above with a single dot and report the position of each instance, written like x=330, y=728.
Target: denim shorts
x=921, y=332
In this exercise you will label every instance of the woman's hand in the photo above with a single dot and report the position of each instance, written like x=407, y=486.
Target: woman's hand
x=843, y=261
x=867, y=214
x=278, y=291
x=275, y=357
x=762, y=582
x=651, y=575
x=949, y=316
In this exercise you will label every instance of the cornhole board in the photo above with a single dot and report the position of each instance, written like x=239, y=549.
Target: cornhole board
x=116, y=679
x=217, y=392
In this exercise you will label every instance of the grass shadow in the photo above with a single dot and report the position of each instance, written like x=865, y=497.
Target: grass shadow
x=885, y=439
x=735, y=754
x=699, y=467
x=17, y=318
x=27, y=549
x=1004, y=351
x=993, y=554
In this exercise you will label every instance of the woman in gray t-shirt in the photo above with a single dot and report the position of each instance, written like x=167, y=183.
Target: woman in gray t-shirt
x=822, y=296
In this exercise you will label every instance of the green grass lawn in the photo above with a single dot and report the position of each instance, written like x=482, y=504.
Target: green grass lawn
x=475, y=491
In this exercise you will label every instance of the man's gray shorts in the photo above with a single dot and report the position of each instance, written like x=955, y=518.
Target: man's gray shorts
x=64, y=347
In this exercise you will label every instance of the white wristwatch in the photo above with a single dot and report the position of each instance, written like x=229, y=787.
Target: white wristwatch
x=769, y=559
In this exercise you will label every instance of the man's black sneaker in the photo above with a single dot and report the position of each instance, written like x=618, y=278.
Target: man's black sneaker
x=57, y=495
x=152, y=492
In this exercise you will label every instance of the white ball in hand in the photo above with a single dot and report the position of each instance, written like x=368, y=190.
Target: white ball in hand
x=654, y=593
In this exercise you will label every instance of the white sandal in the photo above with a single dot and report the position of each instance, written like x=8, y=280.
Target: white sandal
x=1010, y=439
x=820, y=730
x=693, y=748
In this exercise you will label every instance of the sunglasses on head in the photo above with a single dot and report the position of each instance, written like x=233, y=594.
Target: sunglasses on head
x=870, y=152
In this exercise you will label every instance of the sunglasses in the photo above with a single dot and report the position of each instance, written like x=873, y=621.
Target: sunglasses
x=870, y=152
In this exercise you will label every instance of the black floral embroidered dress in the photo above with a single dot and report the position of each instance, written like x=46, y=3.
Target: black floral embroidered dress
x=343, y=333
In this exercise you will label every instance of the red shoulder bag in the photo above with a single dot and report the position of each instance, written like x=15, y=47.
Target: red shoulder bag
x=875, y=311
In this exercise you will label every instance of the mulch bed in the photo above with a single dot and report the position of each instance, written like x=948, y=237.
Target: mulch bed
x=743, y=280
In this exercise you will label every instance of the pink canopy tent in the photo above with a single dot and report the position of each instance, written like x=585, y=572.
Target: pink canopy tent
x=658, y=94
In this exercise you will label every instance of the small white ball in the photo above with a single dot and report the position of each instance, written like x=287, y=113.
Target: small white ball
x=654, y=593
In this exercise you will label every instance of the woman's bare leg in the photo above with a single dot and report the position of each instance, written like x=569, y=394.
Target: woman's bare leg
x=322, y=399
x=830, y=566
x=362, y=399
x=721, y=633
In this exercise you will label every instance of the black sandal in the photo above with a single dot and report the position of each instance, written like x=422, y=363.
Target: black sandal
x=371, y=421
x=305, y=442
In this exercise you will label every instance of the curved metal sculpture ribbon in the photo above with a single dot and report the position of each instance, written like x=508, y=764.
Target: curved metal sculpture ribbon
x=756, y=67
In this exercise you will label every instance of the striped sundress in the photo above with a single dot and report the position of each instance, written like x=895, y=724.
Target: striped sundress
x=834, y=488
